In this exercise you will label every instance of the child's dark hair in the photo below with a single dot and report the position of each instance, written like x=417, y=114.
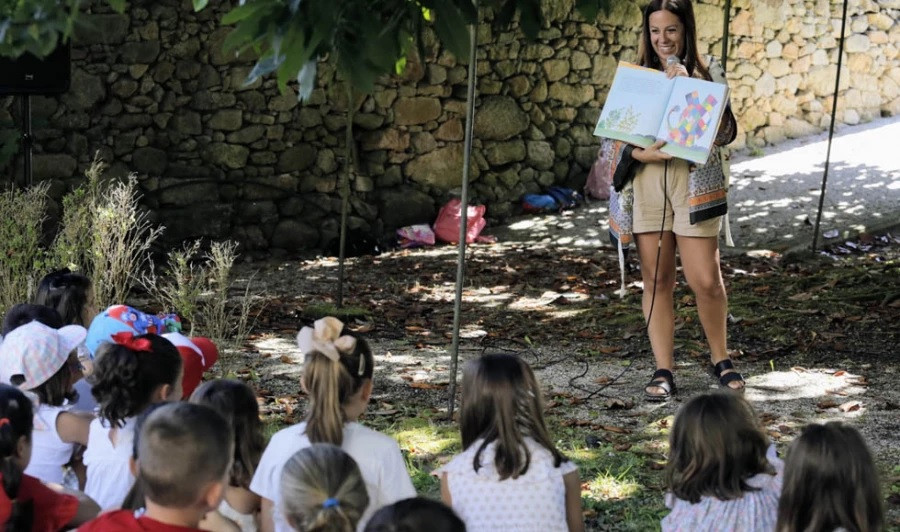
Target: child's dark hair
x=16, y=422
x=716, y=444
x=66, y=292
x=183, y=448
x=237, y=404
x=323, y=489
x=24, y=313
x=830, y=483
x=124, y=379
x=58, y=389
x=330, y=383
x=501, y=402
x=413, y=515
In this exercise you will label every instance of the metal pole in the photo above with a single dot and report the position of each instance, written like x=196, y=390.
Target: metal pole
x=837, y=84
x=345, y=195
x=461, y=257
x=27, y=139
x=725, y=36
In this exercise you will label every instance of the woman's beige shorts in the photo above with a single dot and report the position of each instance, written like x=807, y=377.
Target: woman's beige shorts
x=651, y=202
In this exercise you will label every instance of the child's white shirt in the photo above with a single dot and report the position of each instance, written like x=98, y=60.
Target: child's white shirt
x=378, y=456
x=48, y=452
x=109, y=477
x=533, y=502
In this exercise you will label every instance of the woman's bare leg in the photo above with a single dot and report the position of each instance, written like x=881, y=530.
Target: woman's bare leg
x=662, y=322
x=700, y=260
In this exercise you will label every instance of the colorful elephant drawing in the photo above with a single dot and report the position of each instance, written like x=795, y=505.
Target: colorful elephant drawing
x=694, y=119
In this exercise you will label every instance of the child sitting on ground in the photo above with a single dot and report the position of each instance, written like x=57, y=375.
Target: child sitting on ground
x=129, y=375
x=43, y=361
x=236, y=402
x=72, y=295
x=323, y=489
x=723, y=474
x=25, y=502
x=183, y=460
x=830, y=483
x=418, y=513
x=510, y=476
x=337, y=376
x=198, y=354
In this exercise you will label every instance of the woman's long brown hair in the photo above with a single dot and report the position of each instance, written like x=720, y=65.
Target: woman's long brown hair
x=330, y=384
x=501, y=402
x=684, y=10
x=830, y=483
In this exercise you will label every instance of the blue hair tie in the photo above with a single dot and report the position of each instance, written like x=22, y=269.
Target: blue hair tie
x=330, y=502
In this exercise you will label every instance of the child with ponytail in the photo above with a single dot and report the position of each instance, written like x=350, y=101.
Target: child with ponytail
x=337, y=376
x=25, y=502
x=130, y=373
x=323, y=489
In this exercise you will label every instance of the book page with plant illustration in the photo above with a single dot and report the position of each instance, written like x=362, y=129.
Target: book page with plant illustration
x=691, y=118
x=635, y=105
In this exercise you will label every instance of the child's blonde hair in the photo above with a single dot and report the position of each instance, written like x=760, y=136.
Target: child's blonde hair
x=501, y=402
x=336, y=365
x=716, y=444
x=830, y=483
x=323, y=489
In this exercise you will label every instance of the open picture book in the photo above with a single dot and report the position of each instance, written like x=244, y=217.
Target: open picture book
x=643, y=106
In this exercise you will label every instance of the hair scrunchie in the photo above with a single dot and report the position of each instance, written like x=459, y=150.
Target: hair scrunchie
x=331, y=502
x=127, y=339
x=325, y=337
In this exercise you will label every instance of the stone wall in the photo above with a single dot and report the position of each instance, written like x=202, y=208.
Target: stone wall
x=154, y=93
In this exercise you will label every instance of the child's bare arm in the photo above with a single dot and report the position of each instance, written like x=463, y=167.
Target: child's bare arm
x=574, y=516
x=266, y=520
x=73, y=428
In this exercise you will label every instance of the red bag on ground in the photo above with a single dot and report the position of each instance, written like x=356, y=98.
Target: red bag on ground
x=446, y=227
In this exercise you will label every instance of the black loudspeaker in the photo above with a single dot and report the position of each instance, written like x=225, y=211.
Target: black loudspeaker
x=31, y=75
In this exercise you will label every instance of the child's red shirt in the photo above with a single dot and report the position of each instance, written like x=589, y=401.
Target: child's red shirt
x=125, y=521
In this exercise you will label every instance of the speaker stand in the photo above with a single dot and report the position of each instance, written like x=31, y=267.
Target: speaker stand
x=27, y=139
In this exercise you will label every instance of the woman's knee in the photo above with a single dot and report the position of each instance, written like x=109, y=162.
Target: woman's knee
x=708, y=287
x=662, y=280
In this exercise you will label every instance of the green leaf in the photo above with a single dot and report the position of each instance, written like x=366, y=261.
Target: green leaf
x=244, y=11
x=451, y=28
x=199, y=5
x=266, y=65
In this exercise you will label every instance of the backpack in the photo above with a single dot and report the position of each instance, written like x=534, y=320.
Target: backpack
x=565, y=197
x=539, y=203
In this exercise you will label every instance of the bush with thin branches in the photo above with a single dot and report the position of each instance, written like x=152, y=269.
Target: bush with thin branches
x=22, y=256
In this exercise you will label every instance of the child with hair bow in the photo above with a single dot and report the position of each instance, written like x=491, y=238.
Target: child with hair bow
x=337, y=376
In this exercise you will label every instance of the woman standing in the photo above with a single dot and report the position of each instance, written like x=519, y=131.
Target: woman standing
x=679, y=205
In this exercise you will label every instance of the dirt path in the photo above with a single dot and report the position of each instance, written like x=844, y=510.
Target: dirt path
x=816, y=340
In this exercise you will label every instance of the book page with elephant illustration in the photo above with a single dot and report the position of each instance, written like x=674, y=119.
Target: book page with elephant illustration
x=644, y=106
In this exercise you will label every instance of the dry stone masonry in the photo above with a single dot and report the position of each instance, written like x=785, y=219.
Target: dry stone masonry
x=153, y=91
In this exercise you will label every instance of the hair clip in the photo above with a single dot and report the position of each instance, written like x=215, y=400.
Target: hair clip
x=127, y=339
x=331, y=502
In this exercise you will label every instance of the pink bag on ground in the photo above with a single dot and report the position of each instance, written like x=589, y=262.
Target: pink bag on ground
x=446, y=227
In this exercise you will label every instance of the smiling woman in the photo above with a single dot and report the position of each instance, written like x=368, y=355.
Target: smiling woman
x=672, y=204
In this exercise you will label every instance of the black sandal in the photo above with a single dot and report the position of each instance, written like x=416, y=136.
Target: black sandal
x=727, y=378
x=667, y=384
